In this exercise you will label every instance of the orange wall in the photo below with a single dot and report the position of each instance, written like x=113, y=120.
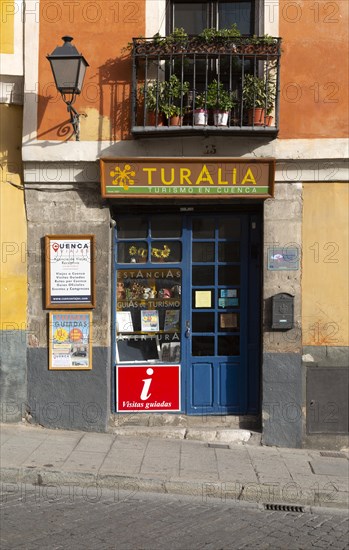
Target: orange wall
x=314, y=67
x=99, y=34
x=314, y=74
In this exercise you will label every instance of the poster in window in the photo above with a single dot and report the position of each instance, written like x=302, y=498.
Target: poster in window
x=124, y=321
x=172, y=320
x=70, y=274
x=70, y=346
x=149, y=320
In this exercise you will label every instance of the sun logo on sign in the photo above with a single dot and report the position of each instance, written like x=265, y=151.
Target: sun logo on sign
x=123, y=177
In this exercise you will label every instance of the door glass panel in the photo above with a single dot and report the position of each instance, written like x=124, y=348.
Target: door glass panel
x=203, y=228
x=229, y=252
x=203, y=322
x=166, y=227
x=166, y=251
x=229, y=322
x=202, y=298
x=228, y=275
x=228, y=297
x=203, y=252
x=202, y=346
x=132, y=252
x=132, y=228
x=203, y=275
x=228, y=345
x=229, y=228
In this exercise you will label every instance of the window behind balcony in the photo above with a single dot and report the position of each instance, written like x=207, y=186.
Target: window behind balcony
x=196, y=16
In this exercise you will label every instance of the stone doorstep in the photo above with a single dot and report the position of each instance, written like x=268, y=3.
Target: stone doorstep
x=210, y=435
x=248, y=422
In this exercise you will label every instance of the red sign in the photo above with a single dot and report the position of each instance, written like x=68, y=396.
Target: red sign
x=148, y=388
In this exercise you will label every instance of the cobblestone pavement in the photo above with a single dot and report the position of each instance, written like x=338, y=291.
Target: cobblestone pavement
x=43, y=518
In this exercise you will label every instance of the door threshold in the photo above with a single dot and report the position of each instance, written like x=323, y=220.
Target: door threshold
x=247, y=422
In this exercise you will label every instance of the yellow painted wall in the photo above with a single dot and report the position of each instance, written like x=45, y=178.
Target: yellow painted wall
x=13, y=232
x=325, y=264
x=7, y=10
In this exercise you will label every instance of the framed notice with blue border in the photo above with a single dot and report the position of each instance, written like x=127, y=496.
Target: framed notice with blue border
x=70, y=271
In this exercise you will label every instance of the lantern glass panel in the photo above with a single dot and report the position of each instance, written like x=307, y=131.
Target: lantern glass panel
x=65, y=71
x=81, y=75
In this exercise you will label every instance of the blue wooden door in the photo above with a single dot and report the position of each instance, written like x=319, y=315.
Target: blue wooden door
x=209, y=265
x=221, y=312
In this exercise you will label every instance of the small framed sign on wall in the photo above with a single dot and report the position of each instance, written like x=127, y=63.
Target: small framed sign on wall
x=70, y=340
x=70, y=271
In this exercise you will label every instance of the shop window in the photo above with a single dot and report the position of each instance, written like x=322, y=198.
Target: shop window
x=166, y=251
x=148, y=315
x=166, y=227
x=132, y=252
x=148, y=298
x=132, y=228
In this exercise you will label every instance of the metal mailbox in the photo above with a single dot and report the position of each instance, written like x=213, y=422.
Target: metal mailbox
x=282, y=311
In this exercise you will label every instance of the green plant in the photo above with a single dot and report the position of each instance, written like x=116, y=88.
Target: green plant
x=172, y=97
x=153, y=93
x=211, y=35
x=254, y=92
x=266, y=39
x=177, y=37
x=218, y=97
x=258, y=92
x=171, y=110
x=200, y=101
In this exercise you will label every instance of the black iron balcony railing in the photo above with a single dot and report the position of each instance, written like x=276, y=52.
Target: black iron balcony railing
x=192, y=86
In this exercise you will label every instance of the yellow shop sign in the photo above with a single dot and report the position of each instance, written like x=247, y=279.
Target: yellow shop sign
x=178, y=177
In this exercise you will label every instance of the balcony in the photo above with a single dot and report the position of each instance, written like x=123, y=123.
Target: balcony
x=194, y=85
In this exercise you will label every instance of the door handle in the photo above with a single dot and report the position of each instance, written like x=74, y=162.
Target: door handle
x=187, y=329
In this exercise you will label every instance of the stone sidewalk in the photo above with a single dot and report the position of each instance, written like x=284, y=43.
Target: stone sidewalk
x=245, y=472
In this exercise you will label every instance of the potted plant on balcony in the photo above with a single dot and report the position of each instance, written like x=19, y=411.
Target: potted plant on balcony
x=213, y=39
x=175, y=42
x=172, y=100
x=153, y=93
x=200, y=112
x=265, y=44
x=258, y=95
x=220, y=101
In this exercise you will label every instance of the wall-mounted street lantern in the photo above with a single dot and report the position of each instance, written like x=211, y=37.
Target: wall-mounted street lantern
x=68, y=68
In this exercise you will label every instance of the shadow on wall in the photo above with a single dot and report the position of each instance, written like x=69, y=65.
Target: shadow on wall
x=37, y=103
x=115, y=101
x=105, y=98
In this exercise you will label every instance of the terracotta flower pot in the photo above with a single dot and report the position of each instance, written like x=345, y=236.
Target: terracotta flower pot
x=256, y=117
x=176, y=120
x=152, y=119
